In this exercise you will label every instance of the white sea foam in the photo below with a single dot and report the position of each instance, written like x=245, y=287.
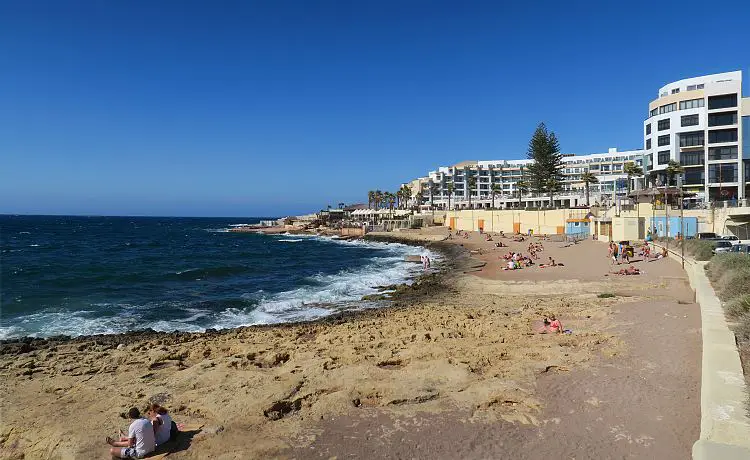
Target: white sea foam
x=329, y=293
x=9, y=332
x=323, y=295
x=290, y=240
x=49, y=323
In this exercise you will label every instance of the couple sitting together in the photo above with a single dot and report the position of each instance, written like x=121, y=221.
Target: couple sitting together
x=144, y=434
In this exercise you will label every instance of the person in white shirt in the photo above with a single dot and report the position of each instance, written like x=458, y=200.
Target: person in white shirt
x=140, y=440
x=162, y=422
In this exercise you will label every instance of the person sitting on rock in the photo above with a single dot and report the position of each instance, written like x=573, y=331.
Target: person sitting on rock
x=140, y=440
x=162, y=422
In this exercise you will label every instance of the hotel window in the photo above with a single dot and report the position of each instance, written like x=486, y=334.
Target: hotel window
x=692, y=104
x=693, y=139
x=668, y=108
x=648, y=144
x=689, y=120
x=691, y=158
x=663, y=140
x=722, y=119
x=663, y=157
x=648, y=129
x=723, y=153
x=722, y=135
x=701, y=86
x=663, y=124
x=694, y=177
x=654, y=112
x=722, y=102
x=676, y=90
x=726, y=172
x=691, y=88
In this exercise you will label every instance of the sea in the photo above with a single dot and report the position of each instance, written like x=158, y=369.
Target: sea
x=66, y=275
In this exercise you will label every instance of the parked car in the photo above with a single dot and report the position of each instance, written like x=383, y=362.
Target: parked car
x=740, y=248
x=706, y=236
x=721, y=246
x=732, y=238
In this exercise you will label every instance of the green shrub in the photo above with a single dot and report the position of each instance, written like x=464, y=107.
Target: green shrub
x=699, y=249
x=733, y=283
x=738, y=307
x=703, y=252
x=605, y=295
x=742, y=328
x=722, y=263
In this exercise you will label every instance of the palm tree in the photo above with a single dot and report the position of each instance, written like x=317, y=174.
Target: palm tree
x=420, y=197
x=494, y=190
x=390, y=199
x=370, y=198
x=433, y=188
x=472, y=183
x=522, y=186
x=450, y=187
x=632, y=170
x=341, y=205
x=673, y=168
x=588, y=178
x=405, y=195
x=378, y=198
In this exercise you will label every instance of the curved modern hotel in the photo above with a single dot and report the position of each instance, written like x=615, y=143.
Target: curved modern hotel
x=702, y=123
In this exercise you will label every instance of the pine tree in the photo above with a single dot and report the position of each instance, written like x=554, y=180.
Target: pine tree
x=545, y=174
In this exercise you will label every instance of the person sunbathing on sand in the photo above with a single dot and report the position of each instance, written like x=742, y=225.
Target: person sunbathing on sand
x=140, y=440
x=631, y=270
x=551, y=263
x=488, y=237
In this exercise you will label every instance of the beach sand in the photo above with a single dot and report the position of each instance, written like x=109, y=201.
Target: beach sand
x=455, y=369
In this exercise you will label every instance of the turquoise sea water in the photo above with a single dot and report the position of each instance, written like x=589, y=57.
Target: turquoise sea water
x=90, y=275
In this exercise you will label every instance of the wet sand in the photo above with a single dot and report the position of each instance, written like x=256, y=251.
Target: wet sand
x=454, y=370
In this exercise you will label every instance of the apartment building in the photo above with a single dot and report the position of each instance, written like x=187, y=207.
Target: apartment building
x=507, y=174
x=701, y=123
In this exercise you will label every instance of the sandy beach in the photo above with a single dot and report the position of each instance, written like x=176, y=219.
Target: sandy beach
x=454, y=369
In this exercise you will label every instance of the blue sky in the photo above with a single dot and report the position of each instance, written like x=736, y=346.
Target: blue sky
x=268, y=108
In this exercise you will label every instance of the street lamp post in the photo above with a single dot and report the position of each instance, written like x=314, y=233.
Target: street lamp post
x=666, y=214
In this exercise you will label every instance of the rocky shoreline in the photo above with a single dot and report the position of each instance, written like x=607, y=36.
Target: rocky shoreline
x=454, y=258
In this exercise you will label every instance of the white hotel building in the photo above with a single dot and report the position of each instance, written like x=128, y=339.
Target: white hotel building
x=702, y=123
x=608, y=168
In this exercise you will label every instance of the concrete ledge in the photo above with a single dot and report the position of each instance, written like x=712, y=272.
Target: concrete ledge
x=725, y=426
x=711, y=450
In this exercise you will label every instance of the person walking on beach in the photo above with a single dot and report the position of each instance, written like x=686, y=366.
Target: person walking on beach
x=140, y=440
